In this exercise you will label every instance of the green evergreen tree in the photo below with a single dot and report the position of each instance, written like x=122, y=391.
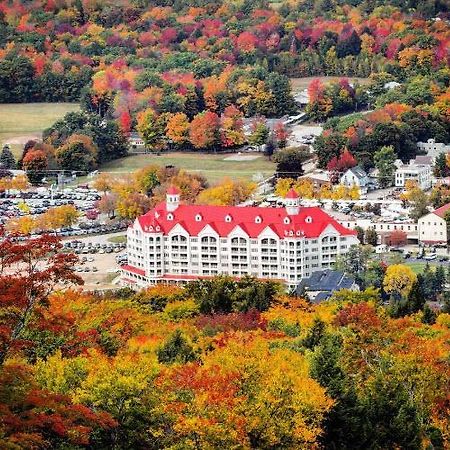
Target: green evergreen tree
x=428, y=282
x=439, y=279
x=371, y=237
x=176, y=349
x=315, y=334
x=359, y=234
x=440, y=166
x=384, y=162
x=429, y=316
x=416, y=297
x=7, y=160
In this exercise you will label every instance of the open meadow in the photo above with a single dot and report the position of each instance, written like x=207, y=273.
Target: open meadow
x=299, y=84
x=20, y=122
x=214, y=166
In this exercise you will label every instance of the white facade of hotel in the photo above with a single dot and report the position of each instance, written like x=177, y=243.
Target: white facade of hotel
x=178, y=257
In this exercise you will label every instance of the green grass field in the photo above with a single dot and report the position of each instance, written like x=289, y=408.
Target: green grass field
x=418, y=267
x=20, y=122
x=299, y=84
x=213, y=166
x=117, y=239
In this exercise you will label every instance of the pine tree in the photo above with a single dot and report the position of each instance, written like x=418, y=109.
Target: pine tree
x=416, y=297
x=439, y=279
x=7, y=160
x=429, y=316
x=176, y=349
x=428, y=282
x=270, y=148
x=371, y=237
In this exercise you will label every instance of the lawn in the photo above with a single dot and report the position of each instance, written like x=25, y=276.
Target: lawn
x=418, y=267
x=20, y=122
x=213, y=166
x=117, y=239
x=299, y=84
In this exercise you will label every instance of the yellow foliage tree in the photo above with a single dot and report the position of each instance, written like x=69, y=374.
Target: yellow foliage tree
x=103, y=182
x=228, y=192
x=59, y=217
x=304, y=188
x=399, y=279
x=411, y=190
x=283, y=186
x=273, y=382
x=22, y=225
x=20, y=182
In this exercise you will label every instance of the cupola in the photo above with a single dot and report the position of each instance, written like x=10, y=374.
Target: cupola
x=172, y=198
x=292, y=202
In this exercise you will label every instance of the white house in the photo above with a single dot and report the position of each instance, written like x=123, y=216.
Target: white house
x=420, y=173
x=175, y=243
x=433, y=227
x=135, y=142
x=355, y=176
x=433, y=148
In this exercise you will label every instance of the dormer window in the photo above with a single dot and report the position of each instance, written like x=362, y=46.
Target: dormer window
x=169, y=216
x=228, y=218
x=308, y=219
x=198, y=218
x=287, y=221
x=258, y=219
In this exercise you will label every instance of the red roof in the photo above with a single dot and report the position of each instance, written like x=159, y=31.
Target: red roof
x=292, y=194
x=173, y=190
x=309, y=222
x=442, y=210
x=133, y=269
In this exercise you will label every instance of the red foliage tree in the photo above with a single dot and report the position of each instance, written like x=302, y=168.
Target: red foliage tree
x=361, y=316
x=337, y=166
x=34, y=418
x=125, y=122
x=204, y=131
x=315, y=90
x=221, y=323
x=281, y=134
x=397, y=238
x=29, y=271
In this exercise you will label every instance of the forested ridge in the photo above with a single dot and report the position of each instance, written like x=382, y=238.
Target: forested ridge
x=218, y=364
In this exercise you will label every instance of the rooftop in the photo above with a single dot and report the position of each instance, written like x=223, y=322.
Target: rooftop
x=325, y=282
x=442, y=210
x=252, y=220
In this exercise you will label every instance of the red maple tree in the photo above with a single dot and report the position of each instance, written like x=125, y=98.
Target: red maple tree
x=29, y=271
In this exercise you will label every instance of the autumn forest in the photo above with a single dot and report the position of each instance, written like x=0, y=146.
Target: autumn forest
x=219, y=363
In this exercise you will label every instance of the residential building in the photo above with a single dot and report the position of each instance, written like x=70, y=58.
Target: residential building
x=175, y=243
x=355, y=176
x=135, y=142
x=318, y=177
x=302, y=98
x=420, y=173
x=433, y=148
x=322, y=284
x=433, y=227
x=384, y=228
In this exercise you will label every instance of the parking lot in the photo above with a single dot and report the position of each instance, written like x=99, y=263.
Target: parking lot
x=98, y=259
x=16, y=204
